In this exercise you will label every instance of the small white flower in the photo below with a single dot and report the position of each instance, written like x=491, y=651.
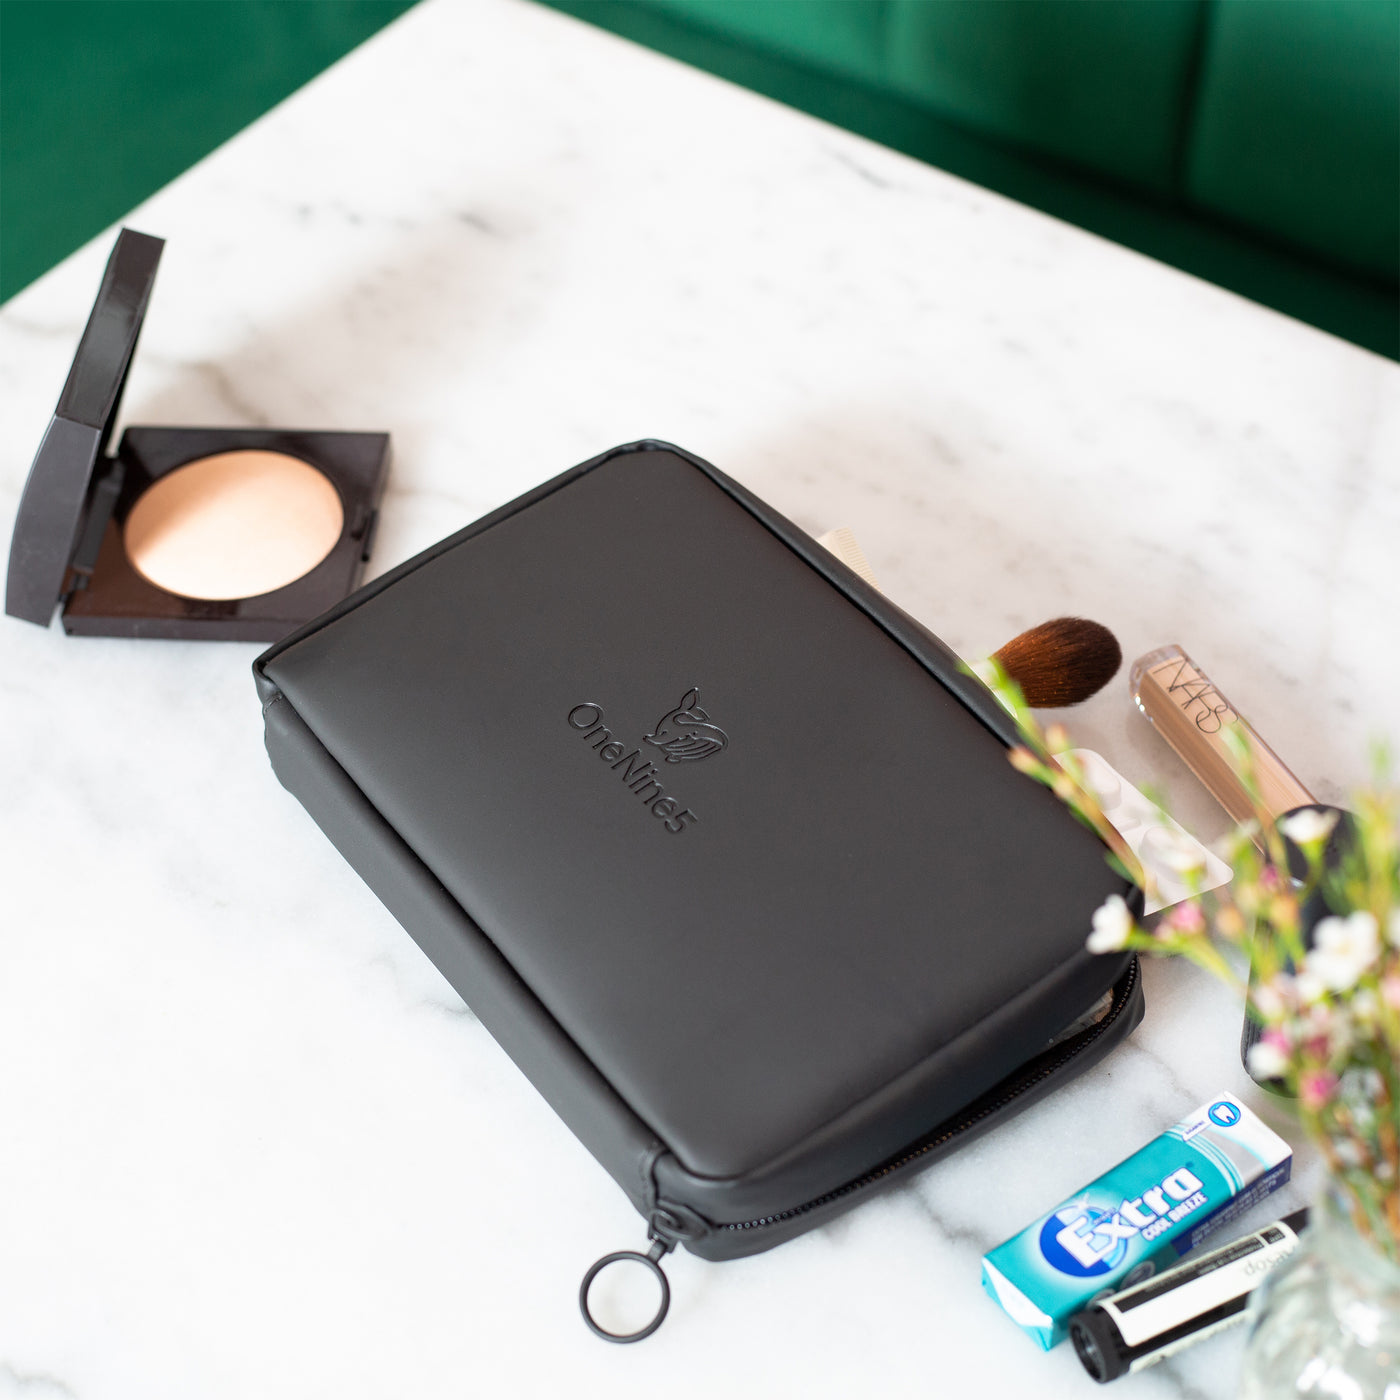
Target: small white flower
x=1341, y=1036
x=1308, y=827
x=1308, y=987
x=1392, y=928
x=1320, y=1019
x=1362, y=1085
x=1348, y=1153
x=1178, y=852
x=1344, y=949
x=1366, y=1006
x=1113, y=922
x=1267, y=1061
x=1270, y=1000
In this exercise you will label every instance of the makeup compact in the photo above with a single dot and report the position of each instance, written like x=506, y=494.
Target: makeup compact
x=234, y=534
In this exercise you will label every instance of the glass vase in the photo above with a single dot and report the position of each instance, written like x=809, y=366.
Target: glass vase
x=1326, y=1323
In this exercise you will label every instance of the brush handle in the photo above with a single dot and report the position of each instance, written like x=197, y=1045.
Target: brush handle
x=1192, y=715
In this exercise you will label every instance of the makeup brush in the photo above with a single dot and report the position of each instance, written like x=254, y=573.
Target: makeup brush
x=1061, y=662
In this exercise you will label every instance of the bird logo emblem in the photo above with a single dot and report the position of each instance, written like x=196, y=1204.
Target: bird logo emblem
x=685, y=734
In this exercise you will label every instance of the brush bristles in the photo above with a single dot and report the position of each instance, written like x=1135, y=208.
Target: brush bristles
x=1061, y=662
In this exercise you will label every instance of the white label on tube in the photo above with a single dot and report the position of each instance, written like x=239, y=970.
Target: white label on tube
x=1189, y=1340
x=1190, y=1291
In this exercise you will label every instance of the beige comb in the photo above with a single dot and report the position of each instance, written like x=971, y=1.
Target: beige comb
x=842, y=543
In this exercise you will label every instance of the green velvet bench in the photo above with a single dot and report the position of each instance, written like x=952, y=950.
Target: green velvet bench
x=1255, y=143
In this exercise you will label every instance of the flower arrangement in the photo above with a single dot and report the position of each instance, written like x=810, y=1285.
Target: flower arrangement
x=1325, y=991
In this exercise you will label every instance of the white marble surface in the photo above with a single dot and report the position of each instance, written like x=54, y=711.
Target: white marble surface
x=250, y=1143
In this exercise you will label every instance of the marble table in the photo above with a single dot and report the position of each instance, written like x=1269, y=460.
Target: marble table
x=252, y=1144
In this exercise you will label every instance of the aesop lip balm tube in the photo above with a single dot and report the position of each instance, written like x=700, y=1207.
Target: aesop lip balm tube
x=1192, y=715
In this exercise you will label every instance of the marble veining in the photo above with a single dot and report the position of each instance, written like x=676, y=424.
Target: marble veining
x=253, y=1145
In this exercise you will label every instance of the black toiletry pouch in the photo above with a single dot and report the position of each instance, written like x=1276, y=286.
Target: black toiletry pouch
x=719, y=844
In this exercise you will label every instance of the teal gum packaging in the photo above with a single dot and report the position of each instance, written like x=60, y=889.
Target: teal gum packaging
x=1139, y=1217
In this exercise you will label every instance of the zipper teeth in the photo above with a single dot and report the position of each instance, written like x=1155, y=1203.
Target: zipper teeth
x=960, y=1127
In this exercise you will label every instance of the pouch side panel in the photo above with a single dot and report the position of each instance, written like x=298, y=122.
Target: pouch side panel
x=988, y=1111
x=975, y=1065
x=620, y=1141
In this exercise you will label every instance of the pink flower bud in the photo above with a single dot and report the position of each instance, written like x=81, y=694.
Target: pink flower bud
x=1229, y=923
x=1024, y=760
x=1316, y=1087
x=1187, y=919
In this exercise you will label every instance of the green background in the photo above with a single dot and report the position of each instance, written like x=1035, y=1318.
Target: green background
x=104, y=101
x=1255, y=143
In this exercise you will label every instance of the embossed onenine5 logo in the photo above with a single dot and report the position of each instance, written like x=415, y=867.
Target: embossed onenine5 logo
x=682, y=735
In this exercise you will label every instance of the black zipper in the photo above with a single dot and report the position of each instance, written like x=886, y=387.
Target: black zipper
x=974, y=1115
x=666, y=1227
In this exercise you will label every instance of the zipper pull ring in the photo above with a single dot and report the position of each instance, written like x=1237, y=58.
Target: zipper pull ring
x=660, y=1247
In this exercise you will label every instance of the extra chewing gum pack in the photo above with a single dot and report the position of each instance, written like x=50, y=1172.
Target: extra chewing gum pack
x=1137, y=1218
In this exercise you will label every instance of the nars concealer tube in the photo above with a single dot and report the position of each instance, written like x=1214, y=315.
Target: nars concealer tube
x=1192, y=715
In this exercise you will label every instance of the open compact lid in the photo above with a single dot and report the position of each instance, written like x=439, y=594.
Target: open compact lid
x=58, y=518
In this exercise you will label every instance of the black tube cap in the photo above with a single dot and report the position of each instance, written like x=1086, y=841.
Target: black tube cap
x=1098, y=1345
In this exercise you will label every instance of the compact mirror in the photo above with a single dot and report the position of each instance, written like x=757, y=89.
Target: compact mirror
x=234, y=534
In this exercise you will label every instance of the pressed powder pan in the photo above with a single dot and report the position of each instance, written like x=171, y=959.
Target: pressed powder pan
x=233, y=525
x=199, y=533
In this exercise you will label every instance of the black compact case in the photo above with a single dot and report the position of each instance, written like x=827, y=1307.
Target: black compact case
x=722, y=847
x=68, y=547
